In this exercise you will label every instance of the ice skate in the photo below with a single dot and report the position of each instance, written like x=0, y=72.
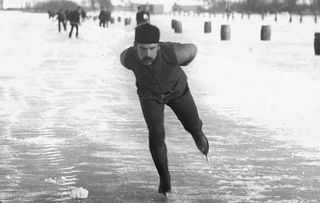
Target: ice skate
x=165, y=185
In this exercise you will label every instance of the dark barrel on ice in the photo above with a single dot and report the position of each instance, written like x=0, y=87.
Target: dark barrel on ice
x=178, y=27
x=127, y=21
x=207, y=27
x=119, y=19
x=112, y=20
x=317, y=43
x=225, y=32
x=173, y=23
x=265, y=34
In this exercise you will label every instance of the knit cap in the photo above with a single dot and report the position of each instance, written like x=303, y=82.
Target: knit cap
x=146, y=34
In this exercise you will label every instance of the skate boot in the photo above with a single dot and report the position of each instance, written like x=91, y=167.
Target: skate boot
x=203, y=145
x=165, y=185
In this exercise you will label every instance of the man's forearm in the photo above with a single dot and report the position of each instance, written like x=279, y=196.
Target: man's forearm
x=185, y=53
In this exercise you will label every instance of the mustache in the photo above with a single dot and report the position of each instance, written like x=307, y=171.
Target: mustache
x=147, y=58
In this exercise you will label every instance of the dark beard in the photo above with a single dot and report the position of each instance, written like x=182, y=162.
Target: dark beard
x=148, y=60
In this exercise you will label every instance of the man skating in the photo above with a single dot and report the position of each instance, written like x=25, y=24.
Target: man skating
x=161, y=81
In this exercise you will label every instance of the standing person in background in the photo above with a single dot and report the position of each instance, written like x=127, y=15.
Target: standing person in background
x=62, y=19
x=102, y=17
x=74, y=18
x=108, y=16
x=142, y=16
x=83, y=15
x=161, y=81
x=228, y=11
x=67, y=11
x=51, y=14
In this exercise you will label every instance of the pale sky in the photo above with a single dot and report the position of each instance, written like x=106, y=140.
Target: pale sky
x=167, y=3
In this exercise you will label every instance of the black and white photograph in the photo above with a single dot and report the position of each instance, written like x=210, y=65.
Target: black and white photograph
x=159, y=101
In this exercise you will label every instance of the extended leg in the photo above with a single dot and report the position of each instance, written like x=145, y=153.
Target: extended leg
x=70, y=33
x=77, y=30
x=59, y=26
x=153, y=115
x=186, y=111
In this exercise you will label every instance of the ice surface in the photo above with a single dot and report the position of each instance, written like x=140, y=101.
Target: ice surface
x=69, y=109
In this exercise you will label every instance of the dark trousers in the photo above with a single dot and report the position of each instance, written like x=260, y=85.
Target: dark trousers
x=72, y=26
x=153, y=112
x=63, y=24
x=103, y=23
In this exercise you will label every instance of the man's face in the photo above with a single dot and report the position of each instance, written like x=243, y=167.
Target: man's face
x=147, y=53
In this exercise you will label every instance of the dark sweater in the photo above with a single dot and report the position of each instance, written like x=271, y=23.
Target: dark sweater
x=165, y=77
x=74, y=17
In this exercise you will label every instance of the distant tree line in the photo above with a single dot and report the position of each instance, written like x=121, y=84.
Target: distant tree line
x=58, y=4
x=55, y=5
x=264, y=6
x=97, y=4
x=214, y=6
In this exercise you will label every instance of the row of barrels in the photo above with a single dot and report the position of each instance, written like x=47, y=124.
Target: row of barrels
x=127, y=21
x=265, y=33
x=228, y=15
x=225, y=33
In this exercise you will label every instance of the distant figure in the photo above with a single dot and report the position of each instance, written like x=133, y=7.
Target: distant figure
x=228, y=11
x=62, y=19
x=104, y=17
x=83, y=14
x=161, y=82
x=74, y=18
x=67, y=11
x=142, y=16
x=51, y=14
x=108, y=17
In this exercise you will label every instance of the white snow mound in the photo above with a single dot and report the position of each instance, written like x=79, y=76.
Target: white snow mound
x=79, y=193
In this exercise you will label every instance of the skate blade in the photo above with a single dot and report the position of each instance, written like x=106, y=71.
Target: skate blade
x=207, y=158
x=165, y=195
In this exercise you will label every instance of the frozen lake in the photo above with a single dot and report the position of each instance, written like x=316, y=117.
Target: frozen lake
x=70, y=117
x=274, y=82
